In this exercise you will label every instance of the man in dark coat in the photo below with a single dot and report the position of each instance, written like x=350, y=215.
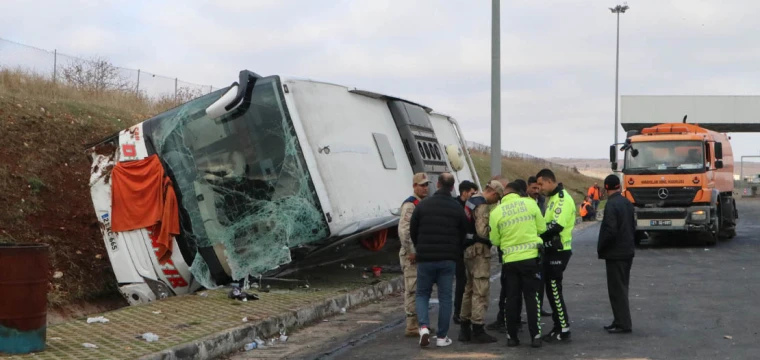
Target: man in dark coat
x=438, y=229
x=616, y=247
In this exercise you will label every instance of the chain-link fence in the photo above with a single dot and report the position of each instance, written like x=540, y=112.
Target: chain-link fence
x=96, y=74
x=516, y=155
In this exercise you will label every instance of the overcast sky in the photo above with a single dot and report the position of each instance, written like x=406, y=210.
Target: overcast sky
x=558, y=57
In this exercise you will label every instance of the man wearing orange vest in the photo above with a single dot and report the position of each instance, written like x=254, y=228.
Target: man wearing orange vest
x=595, y=193
x=587, y=211
x=407, y=254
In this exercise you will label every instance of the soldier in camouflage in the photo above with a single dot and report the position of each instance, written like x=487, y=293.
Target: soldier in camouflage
x=477, y=259
x=407, y=253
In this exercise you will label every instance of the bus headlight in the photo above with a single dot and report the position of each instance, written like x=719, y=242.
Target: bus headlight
x=699, y=215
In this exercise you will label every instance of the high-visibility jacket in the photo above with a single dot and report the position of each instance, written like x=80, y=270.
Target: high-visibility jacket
x=594, y=193
x=561, y=208
x=515, y=225
x=584, y=210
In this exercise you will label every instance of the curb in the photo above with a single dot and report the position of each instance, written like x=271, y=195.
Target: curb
x=233, y=339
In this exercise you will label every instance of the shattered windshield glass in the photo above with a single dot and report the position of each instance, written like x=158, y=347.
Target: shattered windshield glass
x=665, y=156
x=243, y=183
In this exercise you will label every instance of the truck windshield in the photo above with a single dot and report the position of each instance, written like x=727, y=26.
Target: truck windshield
x=242, y=180
x=657, y=157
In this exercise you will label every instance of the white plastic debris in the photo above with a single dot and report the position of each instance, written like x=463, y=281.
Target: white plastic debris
x=203, y=294
x=729, y=337
x=342, y=310
x=245, y=319
x=90, y=346
x=283, y=338
x=157, y=312
x=150, y=337
x=58, y=275
x=99, y=319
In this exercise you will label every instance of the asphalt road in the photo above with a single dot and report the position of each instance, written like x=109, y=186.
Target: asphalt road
x=687, y=302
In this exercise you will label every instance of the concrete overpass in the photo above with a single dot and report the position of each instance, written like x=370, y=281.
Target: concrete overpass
x=722, y=113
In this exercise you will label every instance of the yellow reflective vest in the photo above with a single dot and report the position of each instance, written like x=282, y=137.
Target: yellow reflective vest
x=515, y=225
x=560, y=207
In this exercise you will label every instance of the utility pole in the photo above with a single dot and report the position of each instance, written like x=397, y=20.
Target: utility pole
x=617, y=10
x=495, y=88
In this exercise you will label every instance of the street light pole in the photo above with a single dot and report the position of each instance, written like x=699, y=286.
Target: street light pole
x=617, y=10
x=495, y=88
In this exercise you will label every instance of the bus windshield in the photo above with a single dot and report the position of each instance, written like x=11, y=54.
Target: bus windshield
x=656, y=157
x=242, y=181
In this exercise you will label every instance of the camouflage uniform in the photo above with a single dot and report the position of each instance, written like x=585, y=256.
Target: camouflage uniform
x=409, y=269
x=477, y=258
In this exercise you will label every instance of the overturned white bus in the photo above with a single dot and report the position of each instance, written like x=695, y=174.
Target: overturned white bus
x=260, y=175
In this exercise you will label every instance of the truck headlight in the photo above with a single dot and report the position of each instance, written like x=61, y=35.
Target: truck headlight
x=699, y=215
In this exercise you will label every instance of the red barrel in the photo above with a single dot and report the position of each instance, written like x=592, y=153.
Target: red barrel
x=24, y=278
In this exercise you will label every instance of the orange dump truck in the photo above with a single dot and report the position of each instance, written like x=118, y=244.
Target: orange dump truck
x=679, y=177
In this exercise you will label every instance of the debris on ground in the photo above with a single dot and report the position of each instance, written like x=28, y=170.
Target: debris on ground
x=238, y=294
x=58, y=275
x=90, y=346
x=729, y=337
x=156, y=312
x=203, y=294
x=342, y=310
x=99, y=319
x=150, y=337
x=251, y=346
x=245, y=319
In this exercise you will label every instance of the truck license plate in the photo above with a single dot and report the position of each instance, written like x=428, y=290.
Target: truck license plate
x=661, y=222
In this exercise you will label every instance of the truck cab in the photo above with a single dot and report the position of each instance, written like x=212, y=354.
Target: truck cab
x=679, y=178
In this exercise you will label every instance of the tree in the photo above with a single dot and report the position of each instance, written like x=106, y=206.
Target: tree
x=97, y=75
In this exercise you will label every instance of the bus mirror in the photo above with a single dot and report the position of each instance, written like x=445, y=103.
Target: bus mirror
x=718, y=151
x=718, y=164
x=237, y=96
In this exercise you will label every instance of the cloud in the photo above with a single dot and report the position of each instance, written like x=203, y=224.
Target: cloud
x=557, y=60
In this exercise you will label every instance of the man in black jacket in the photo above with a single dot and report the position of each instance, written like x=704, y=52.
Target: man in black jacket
x=438, y=229
x=616, y=247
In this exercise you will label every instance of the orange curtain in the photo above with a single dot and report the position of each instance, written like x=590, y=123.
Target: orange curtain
x=143, y=197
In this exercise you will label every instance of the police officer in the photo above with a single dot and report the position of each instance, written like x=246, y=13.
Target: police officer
x=514, y=227
x=560, y=220
x=407, y=254
x=477, y=259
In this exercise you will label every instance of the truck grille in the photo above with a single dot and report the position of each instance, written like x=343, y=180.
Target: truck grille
x=679, y=196
x=668, y=214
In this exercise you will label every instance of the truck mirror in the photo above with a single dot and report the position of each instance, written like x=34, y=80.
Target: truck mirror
x=614, y=166
x=613, y=154
x=718, y=151
x=718, y=164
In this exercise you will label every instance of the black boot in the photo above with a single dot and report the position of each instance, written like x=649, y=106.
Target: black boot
x=480, y=336
x=512, y=341
x=465, y=332
x=498, y=325
x=557, y=335
x=457, y=320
